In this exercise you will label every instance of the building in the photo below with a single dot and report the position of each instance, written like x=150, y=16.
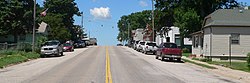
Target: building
x=41, y=31
x=174, y=36
x=137, y=34
x=225, y=32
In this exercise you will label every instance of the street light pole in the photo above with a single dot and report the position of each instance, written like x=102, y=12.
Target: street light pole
x=153, y=25
x=82, y=19
x=34, y=27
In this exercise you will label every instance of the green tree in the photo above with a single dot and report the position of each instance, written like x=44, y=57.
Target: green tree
x=15, y=17
x=60, y=18
x=133, y=21
x=186, y=20
x=188, y=14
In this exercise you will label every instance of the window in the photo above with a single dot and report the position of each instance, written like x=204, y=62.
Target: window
x=235, y=38
x=177, y=39
x=201, y=41
x=195, y=41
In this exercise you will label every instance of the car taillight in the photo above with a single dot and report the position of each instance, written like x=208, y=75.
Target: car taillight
x=146, y=46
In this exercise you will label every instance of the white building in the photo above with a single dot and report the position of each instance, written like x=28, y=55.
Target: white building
x=214, y=39
x=174, y=35
x=138, y=34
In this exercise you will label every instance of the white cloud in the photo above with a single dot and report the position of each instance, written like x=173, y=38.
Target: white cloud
x=101, y=13
x=143, y=3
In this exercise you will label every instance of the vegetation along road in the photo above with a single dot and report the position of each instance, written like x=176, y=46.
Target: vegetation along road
x=109, y=64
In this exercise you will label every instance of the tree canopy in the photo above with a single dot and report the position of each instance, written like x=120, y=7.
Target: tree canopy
x=133, y=21
x=16, y=17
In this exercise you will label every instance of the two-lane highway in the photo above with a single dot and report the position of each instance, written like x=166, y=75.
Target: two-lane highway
x=107, y=64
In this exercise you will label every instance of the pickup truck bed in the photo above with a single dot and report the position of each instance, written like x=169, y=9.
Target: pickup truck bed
x=170, y=51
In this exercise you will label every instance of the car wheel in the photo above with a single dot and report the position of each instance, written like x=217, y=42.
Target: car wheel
x=171, y=59
x=61, y=53
x=179, y=59
x=162, y=58
x=156, y=57
x=42, y=56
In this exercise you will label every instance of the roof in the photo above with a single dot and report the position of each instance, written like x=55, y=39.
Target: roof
x=228, y=17
x=42, y=28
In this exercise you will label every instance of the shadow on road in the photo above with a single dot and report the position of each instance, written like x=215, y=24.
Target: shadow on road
x=174, y=61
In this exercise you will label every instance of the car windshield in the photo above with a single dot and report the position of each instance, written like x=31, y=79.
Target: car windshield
x=50, y=43
x=142, y=43
x=79, y=41
x=137, y=42
x=67, y=44
x=170, y=45
x=151, y=44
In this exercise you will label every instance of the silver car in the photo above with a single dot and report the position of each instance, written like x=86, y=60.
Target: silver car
x=149, y=47
x=53, y=47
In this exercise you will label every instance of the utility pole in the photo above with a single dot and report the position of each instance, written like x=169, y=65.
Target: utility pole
x=34, y=27
x=230, y=50
x=128, y=32
x=153, y=25
x=82, y=19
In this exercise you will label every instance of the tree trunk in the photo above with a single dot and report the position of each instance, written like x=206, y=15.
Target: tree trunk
x=182, y=41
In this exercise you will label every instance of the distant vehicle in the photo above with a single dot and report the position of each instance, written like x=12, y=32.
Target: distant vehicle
x=119, y=45
x=168, y=50
x=149, y=47
x=92, y=41
x=53, y=47
x=79, y=44
x=68, y=47
x=135, y=44
x=139, y=46
x=86, y=40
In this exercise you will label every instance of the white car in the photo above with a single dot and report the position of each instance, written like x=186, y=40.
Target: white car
x=139, y=45
x=149, y=47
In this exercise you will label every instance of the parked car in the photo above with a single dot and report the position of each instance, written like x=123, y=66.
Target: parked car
x=135, y=44
x=53, y=47
x=168, y=50
x=79, y=44
x=68, y=47
x=149, y=47
x=92, y=41
x=119, y=45
x=139, y=46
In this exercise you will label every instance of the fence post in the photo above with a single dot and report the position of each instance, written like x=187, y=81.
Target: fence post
x=5, y=45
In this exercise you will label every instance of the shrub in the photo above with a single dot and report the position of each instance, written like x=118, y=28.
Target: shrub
x=31, y=55
x=185, y=50
x=8, y=52
x=248, y=60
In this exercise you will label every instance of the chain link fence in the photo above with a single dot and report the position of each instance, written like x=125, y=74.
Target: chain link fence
x=22, y=46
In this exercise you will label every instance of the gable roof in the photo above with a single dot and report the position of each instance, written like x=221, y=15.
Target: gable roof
x=228, y=17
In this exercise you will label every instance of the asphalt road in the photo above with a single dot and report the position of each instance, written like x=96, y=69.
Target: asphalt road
x=103, y=64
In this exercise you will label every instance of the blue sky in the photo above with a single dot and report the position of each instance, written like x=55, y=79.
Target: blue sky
x=101, y=16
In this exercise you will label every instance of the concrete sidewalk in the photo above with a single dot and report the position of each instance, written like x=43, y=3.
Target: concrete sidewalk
x=227, y=72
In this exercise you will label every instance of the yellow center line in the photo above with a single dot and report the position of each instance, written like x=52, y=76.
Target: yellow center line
x=108, y=72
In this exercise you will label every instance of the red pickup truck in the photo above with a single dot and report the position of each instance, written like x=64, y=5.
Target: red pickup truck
x=168, y=50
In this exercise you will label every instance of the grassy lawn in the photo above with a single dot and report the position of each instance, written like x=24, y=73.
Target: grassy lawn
x=235, y=65
x=186, y=54
x=199, y=64
x=8, y=57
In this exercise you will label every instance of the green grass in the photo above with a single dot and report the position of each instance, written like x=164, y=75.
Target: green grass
x=199, y=64
x=186, y=54
x=235, y=65
x=13, y=57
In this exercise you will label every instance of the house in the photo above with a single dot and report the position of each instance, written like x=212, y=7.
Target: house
x=225, y=32
x=174, y=37
x=137, y=34
x=41, y=31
